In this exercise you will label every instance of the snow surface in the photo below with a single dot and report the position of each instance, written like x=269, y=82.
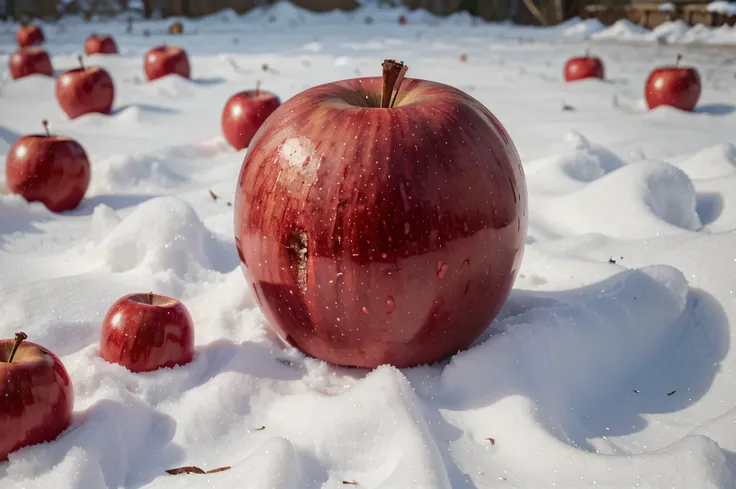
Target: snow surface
x=609, y=366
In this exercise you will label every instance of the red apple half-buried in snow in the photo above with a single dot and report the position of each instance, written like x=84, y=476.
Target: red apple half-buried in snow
x=36, y=395
x=381, y=220
x=29, y=35
x=244, y=113
x=51, y=169
x=583, y=67
x=30, y=61
x=166, y=60
x=145, y=332
x=676, y=86
x=98, y=44
x=84, y=90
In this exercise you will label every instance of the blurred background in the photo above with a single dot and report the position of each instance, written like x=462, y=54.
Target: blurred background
x=650, y=13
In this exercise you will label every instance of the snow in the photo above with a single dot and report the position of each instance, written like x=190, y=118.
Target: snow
x=722, y=7
x=609, y=366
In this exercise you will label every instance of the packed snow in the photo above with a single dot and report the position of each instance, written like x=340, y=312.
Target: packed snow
x=609, y=366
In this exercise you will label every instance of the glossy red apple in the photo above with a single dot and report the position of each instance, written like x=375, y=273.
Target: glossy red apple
x=97, y=44
x=29, y=35
x=36, y=395
x=583, y=67
x=85, y=90
x=166, y=60
x=30, y=61
x=53, y=170
x=145, y=332
x=676, y=86
x=244, y=114
x=376, y=228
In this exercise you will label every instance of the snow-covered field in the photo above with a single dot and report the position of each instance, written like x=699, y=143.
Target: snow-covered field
x=609, y=367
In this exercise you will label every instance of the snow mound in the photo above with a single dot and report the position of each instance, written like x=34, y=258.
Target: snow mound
x=639, y=200
x=583, y=29
x=579, y=162
x=721, y=7
x=142, y=172
x=670, y=32
x=163, y=234
x=622, y=29
x=385, y=440
x=716, y=161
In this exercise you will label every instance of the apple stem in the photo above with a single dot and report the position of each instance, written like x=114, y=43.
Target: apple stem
x=258, y=87
x=587, y=52
x=81, y=63
x=149, y=298
x=393, y=75
x=46, y=127
x=677, y=60
x=19, y=337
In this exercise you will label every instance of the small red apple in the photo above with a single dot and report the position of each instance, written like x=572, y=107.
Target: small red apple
x=676, y=86
x=36, y=395
x=381, y=220
x=583, y=67
x=463, y=58
x=244, y=113
x=403, y=20
x=29, y=35
x=166, y=60
x=84, y=90
x=30, y=61
x=53, y=170
x=96, y=44
x=145, y=332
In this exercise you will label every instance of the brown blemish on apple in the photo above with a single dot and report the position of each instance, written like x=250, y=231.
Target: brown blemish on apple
x=299, y=255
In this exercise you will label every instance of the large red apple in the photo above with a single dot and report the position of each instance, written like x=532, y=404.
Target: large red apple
x=97, y=44
x=244, y=114
x=166, y=60
x=145, y=332
x=36, y=395
x=29, y=35
x=582, y=67
x=54, y=170
x=30, y=61
x=85, y=90
x=379, y=221
x=676, y=86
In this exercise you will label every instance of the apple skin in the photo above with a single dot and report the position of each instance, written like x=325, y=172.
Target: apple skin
x=166, y=60
x=54, y=170
x=143, y=336
x=30, y=35
x=413, y=220
x=677, y=87
x=30, y=61
x=244, y=113
x=36, y=397
x=100, y=45
x=583, y=67
x=85, y=90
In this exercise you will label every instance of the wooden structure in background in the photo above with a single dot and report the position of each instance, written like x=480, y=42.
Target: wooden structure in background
x=534, y=12
x=650, y=15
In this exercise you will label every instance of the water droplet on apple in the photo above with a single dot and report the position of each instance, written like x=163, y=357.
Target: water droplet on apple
x=365, y=309
x=390, y=305
x=441, y=269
